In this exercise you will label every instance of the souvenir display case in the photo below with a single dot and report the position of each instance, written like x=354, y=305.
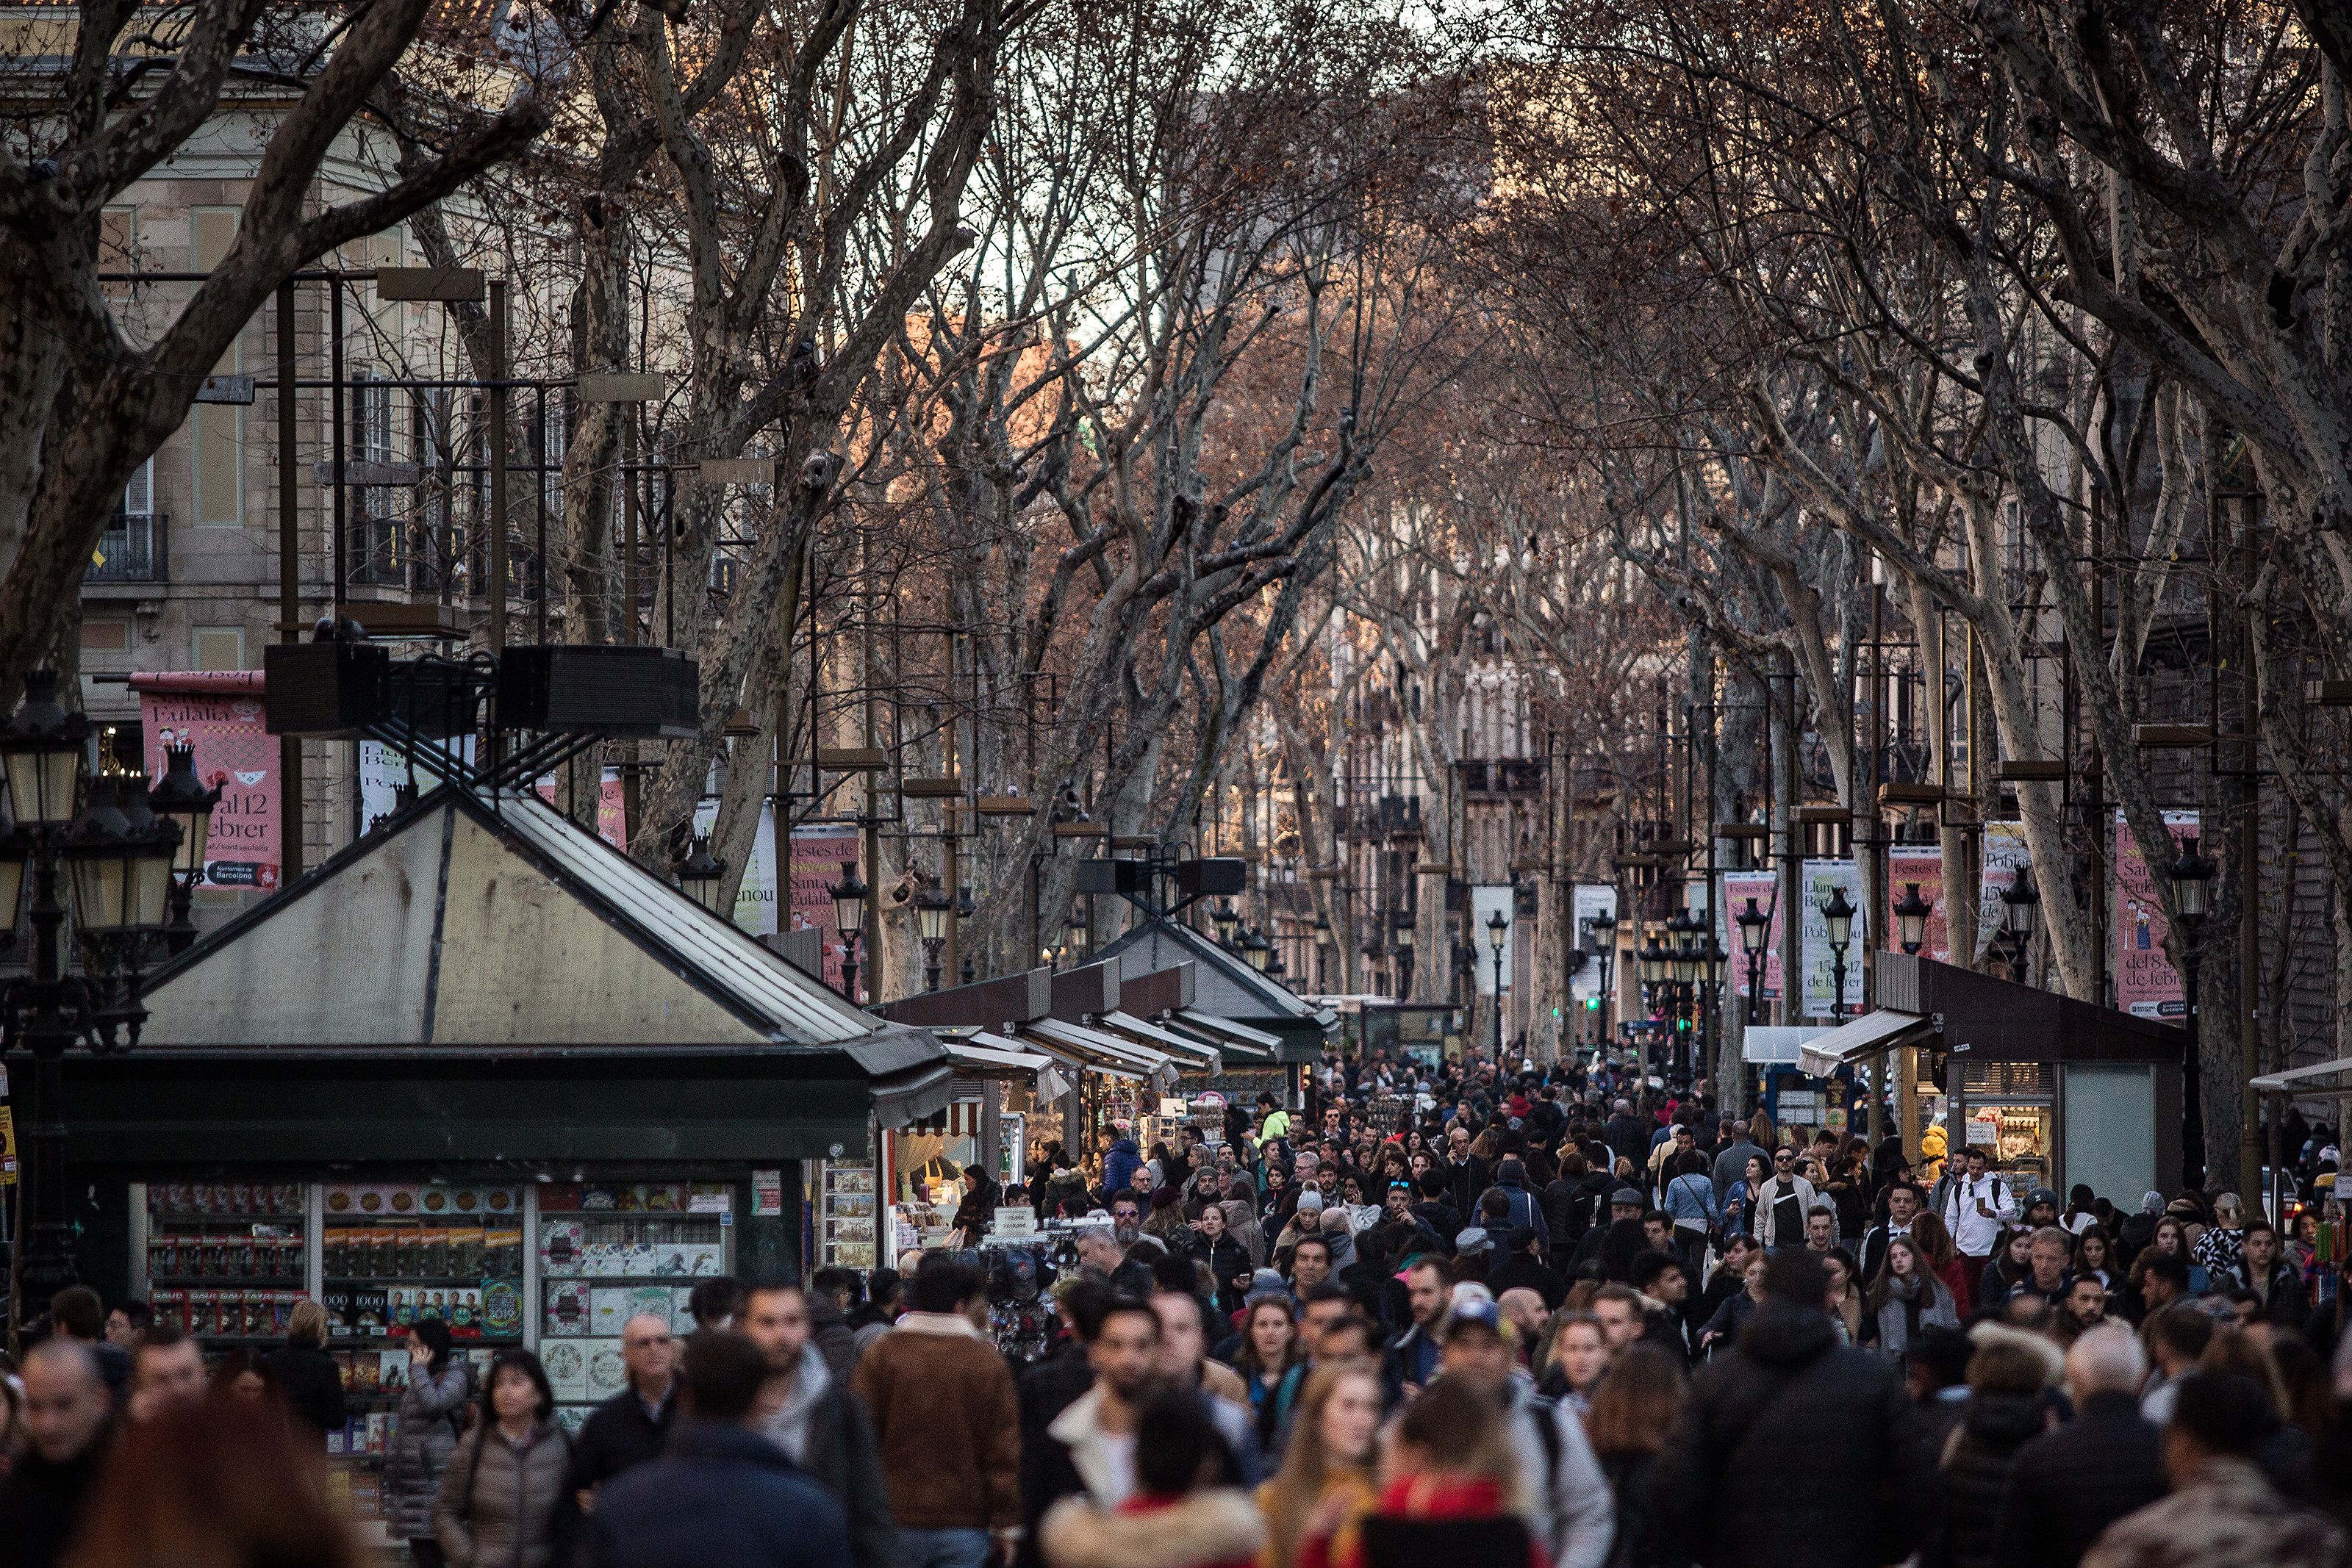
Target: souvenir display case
x=609, y=1251
x=225, y=1260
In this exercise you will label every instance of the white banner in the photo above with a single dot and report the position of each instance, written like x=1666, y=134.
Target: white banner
x=2004, y=852
x=383, y=770
x=1589, y=902
x=1814, y=953
x=755, y=899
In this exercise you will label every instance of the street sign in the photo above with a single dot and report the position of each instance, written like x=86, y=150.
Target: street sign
x=235, y=390
x=7, y=1146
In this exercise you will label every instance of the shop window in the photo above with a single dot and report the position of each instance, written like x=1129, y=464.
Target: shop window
x=1996, y=1078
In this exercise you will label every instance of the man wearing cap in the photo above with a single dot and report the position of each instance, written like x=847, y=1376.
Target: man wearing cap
x=1565, y=1496
x=1625, y=1203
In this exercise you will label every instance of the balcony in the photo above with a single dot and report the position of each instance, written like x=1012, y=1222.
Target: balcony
x=132, y=549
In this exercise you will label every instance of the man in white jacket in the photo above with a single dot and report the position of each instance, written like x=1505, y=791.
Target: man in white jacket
x=1975, y=1205
x=1781, y=1208
x=1565, y=1497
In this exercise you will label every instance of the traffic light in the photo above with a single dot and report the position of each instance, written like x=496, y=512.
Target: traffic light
x=1592, y=1004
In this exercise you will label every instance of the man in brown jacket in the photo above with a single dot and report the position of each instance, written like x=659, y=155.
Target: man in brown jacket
x=947, y=1424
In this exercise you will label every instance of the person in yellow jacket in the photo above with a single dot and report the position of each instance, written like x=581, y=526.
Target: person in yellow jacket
x=1932, y=1150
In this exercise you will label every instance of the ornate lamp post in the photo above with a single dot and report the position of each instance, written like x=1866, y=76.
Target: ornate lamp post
x=1911, y=913
x=1755, y=926
x=180, y=797
x=849, y=919
x=2192, y=886
x=1257, y=950
x=2021, y=905
x=117, y=868
x=1839, y=911
x=1605, y=948
x=931, y=912
x=701, y=876
x=1498, y=931
x=1227, y=920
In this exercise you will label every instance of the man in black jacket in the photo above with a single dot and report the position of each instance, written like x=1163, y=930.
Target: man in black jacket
x=67, y=1413
x=1793, y=1448
x=817, y=1421
x=1627, y=1138
x=2066, y=1487
x=630, y=1428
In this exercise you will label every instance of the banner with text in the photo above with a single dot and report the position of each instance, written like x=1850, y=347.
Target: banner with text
x=1814, y=955
x=219, y=713
x=755, y=896
x=2004, y=852
x=1590, y=903
x=818, y=853
x=2147, y=985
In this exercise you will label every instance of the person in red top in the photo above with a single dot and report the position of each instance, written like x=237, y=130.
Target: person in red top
x=1188, y=1510
x=1446, y=1493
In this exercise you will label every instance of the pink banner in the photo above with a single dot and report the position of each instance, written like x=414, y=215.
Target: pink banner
x=2147, y=985
x=1924, y=865
x=818, y=854
x=219, y=713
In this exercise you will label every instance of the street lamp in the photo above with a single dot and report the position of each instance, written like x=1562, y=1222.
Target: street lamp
x=1911, y=913
x=1256, y=949
x=1605, y=948
x=1838, y=911
x=117, y=867
x=1227, y=920
x=181, y=796
x=1404, y=959
x=2192, y=886
x=1754, y=927
x=931, y=912
x=849, y=919
x=1499, y=930
x=701, y=876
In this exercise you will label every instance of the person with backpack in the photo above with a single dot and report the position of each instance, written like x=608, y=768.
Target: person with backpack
x=1632, y=1407
x=1562, y=1494
x=432, y=1414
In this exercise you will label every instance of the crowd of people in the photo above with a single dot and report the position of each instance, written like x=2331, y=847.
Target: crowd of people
x=1562, y=1316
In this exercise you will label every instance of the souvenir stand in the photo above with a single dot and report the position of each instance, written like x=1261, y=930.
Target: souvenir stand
x=541, y=1091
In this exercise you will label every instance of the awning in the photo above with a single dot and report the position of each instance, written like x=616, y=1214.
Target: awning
x=993, y=1055
x=1236, y=1039
x=1188, y=1052
x=1867, y=1036
x=2322, y=1078
x=1096, y=1049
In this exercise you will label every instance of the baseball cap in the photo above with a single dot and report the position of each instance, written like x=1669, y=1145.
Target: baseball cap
x=1265, y=1285
x=2041, y=1195
x=1473, y=1306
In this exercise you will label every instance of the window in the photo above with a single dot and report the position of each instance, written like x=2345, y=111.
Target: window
x=220, y=647
x=217, y=430
x=138, y=495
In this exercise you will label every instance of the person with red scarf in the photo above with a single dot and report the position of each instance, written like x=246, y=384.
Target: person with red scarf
x=1446, y=1494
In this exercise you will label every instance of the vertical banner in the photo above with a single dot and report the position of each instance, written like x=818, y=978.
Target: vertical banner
x=1485, y=901
x=1588, y=902
x=2004, y=852
x=384, y=769
x=755, y=896
x=1813, y=953
x=1738, y=887
x=219, y=713
x=2147, y=985
x=818, y=851
x=1924, y=865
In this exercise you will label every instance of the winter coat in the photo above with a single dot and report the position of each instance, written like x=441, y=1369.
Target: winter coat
x=1473, y=1522
x=40, y=1504
x=1899, y=1320
x=2282, y=1300
x=1690, y=1202
x=830, y=1332
x=1120, y=1165
x=1764, y=1221
x=311, y=1384
x=1227, y=1260
x=2067, y=1486
x=836, y=1447
x=432, y=1411
x=947, y=1424
x=1524, y=1209
x=497, y=1503
x=1216, y=1527
x=1976, y=1471
x=617, y=1436
x=1731, y=1164
x=719, y=1495
x=1728, y=1490
x=1563, y=1497
x=1639, y=1543
x=2226, y=1516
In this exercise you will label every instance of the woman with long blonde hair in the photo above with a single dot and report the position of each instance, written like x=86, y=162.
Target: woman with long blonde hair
x=1326, y=1481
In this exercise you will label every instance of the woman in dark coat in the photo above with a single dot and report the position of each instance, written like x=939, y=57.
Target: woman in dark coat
x=307, y=1377
x=432, y=1414
x=2007, y=1407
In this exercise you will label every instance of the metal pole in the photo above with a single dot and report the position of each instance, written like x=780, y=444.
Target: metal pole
x=289, y=577
x=339, y=453
x=2192, y=1115
x=48, y=1265
x=498, y=464
x=538, y=510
